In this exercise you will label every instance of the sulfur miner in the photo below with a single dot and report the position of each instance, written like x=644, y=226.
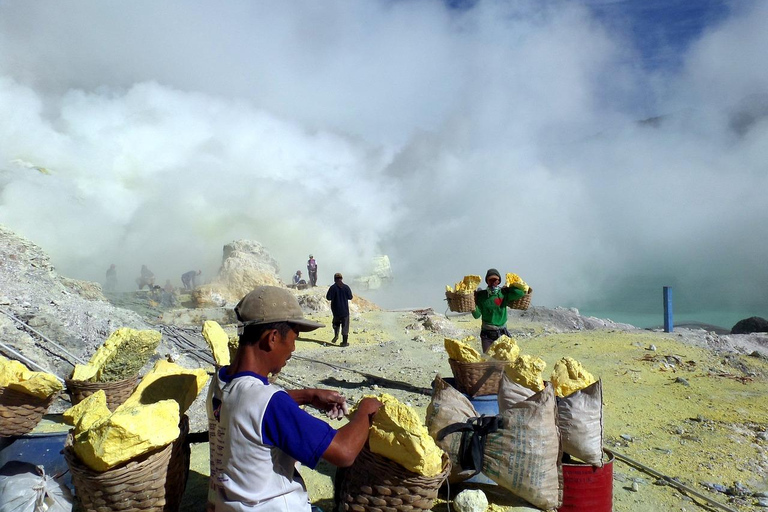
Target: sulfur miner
x=569, y=376
x=526, y=371
x=461, y=350
x=398, y=434
x=491, y=307
x=14, y=375
x=262, y=429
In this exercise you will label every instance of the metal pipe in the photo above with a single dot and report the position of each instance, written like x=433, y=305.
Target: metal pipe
x=668, y=480
x=67, y=352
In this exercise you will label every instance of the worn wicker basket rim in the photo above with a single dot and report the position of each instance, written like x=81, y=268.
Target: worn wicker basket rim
x=478, y=379
x=395, y=488
x=21, y=412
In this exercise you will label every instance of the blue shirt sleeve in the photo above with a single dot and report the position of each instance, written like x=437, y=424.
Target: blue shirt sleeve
x=296, y=432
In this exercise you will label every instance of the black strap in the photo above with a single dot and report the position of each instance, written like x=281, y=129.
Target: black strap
x=473, y=435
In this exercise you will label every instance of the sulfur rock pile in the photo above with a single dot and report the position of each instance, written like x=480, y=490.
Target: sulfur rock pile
x=466, y=286
x=15, y=376
x=398, y=434
x=148, y=420
x=504, y=349
x=516, y=281
x=527, y=371
x=569, y=376
x=462, y=351
x=121, y=356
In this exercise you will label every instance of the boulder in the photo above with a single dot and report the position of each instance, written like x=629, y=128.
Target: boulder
x=750, y=325
x=245, y=265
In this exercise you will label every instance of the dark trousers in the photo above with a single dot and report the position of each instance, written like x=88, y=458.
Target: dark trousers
x=488, y=336
x=343, y=322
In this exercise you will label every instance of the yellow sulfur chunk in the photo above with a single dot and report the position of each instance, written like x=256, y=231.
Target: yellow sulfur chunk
x=14, y=375
x=168, y=381
x=218, y=342
x=121, y=356
x=87, y=413
x=504, y=349
x=461, y=351
x=526, y=371
x=517, y=282
x=128, y=433
x=398, y=434
x=234, y=341
x=467, y=285
x=569, y=376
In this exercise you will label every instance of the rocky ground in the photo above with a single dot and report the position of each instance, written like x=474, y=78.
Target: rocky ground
x=689, y=405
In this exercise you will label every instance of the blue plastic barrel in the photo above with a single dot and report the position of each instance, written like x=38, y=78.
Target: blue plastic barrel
x=38, y=449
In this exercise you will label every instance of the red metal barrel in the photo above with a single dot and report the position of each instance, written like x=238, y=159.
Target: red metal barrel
x=587, y=488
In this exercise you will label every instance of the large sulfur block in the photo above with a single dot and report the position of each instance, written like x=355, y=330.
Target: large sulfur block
x=14, y=375
x=526, y=371
x=168, y=381
x=90, y=411
x=399, y=434
x=121, y=356
x=504, y=349
x=569, y=376
x=218, y=342
x=461, y=351
x=128, y=433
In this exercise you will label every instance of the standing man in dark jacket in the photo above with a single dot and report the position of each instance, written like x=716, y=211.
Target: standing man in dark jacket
x=339, y=294
x=491, y=305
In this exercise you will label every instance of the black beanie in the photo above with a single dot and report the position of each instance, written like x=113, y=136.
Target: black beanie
x=492, y=272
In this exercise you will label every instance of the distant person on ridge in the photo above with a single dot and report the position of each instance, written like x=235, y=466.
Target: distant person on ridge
x=312, y=269
x=147, y=278
x=339, y=294
x=111, y=283
x=491, y=305
x=189, y=279
x=297, y=279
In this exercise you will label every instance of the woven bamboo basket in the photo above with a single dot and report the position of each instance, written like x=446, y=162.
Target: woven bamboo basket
x=117, y=391
x=376, y=484
x=460, y=302
x=152, y=483
x=523, y=302
x=20, y=413
x=478, y=379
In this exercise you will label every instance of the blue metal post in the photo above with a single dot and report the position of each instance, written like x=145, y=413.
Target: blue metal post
x=668, y=326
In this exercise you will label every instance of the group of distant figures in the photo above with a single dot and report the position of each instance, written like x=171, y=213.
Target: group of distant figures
x=166, y=294
x=299, y=282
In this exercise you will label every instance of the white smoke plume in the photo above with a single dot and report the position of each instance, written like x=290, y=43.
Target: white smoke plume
x=501, y=134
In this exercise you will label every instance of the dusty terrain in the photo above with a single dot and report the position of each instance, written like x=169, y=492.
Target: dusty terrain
x=688, y=404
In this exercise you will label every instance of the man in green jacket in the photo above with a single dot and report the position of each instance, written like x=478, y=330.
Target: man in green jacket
x=491, y=305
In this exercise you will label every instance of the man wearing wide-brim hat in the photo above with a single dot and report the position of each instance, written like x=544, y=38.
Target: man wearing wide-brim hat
x=491, y=305
x=263, y=430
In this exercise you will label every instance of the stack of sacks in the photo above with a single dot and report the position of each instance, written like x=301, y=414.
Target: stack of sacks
x=398, y=434
x=517, y=282
x=522, y=447
x=579, y=410
x=120, y=357
x=148, y=420
x=466, y=286
x=461, y=351
x=15, y=376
